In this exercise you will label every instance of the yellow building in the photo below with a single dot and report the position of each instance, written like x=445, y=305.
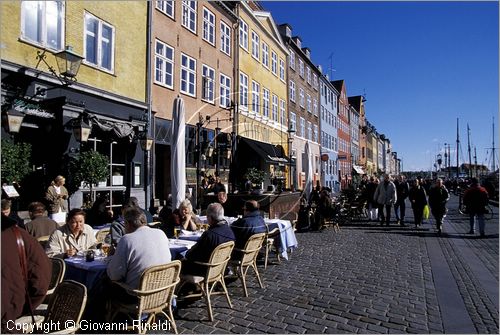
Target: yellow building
x=109, y=92
x=262, y=120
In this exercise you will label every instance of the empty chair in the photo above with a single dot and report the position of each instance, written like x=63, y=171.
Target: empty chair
x=67, y=303
x=249, y=259
x=58, y=271
x=269, y=243
x=216, y=267
x=154, y=295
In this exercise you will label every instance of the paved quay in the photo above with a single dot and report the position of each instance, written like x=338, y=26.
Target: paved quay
x=369, y=279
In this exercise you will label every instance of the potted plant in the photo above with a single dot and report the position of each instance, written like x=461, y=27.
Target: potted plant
x=89, y=168
x=16, y=164
x=256, y=177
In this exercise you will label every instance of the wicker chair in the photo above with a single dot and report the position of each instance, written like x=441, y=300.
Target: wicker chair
x=68, y=303
x=249, y=259
x=155, y=293
x=269, y=243
x=58, y=271
x=216, y=267
x=101, y=234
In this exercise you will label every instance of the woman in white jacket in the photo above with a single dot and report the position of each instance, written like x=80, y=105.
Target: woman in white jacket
x=385, y=196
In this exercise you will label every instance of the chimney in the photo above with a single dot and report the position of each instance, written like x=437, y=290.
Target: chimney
x=327, y=78
x=320, y=68
x=285, y=29
x=307, y=52
x=297, y=41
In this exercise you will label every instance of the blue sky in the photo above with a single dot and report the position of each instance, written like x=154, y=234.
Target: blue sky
x=421, y=64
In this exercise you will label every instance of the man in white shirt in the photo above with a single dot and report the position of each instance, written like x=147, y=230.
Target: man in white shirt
x=140, y=248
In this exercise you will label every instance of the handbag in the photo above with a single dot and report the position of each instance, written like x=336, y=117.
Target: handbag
x=24, y=267
x=426, y=212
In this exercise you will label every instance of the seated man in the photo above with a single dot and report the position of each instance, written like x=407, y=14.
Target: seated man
x=217, y=233
x=141, y=247
x=8, y=212
x=222, y=199
x=251, y=223
x=40, y=224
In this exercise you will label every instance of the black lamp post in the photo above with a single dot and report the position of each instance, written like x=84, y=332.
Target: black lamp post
x=290, y=132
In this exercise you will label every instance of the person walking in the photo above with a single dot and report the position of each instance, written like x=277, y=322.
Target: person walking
x=57, y=198
x=372, y=205
x=475, y=200
x=402, y=190
x=385, y=196
x=438, y=197
x=418, y=200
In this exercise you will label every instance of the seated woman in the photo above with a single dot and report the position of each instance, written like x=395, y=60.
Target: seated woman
x=183, y=218
x=72, y=237
x=99, y=214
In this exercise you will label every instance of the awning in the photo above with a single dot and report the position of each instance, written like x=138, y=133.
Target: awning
x=272, y=154
x=358, y=169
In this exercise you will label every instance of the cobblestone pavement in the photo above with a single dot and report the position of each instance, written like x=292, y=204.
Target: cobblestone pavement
x=368, y=279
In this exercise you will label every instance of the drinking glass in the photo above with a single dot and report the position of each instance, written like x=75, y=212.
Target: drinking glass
x=105, y=249
x=176, y=232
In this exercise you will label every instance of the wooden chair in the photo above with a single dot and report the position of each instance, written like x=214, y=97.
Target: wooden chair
x=269, y=243
x=101, y=234
x=68, y=303
x=216, y=267
x=155, y=293
x=249, y=259
x=58, y=271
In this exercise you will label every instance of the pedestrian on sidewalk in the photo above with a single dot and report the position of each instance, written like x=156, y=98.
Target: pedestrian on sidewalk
x=476, y=200
x=438, y=197
x=418, y=200
x=385, y=195
x=402, y=190
x=371, y=203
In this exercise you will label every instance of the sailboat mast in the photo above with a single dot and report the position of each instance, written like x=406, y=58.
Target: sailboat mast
x=475, y=163
x=458, y=148
x=493, y=145
x=468, y=149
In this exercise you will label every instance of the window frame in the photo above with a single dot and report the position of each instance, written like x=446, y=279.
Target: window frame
x=255, y=97
x=292, y=59
x=208, y=24
x=164, y=10
x=225, y=38
x=301, y=68
x=243, y=35
x=301, y=97
x=43, y=24
x=211, y=80
x=255, y=39
x=99, y=43
x=282, y=112
x=274, y=63
x=293, y=121
x=224, y=90
x=275, y=107
x=188, y=71
x=243, y=91
x=266, y=95
x=164, y=59
x=292, y=91
x=189, y=15
x=282, y=70
x=265, y=55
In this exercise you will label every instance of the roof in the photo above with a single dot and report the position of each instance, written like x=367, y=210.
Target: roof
x=338, y=84
x=356, y=102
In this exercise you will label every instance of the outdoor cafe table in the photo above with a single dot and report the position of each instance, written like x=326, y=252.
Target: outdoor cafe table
x=88, y=273
x=287, y=239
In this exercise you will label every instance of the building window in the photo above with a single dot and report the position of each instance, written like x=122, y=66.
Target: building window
x=42, y=22
x=166, y=7
x=164, y=64
x=99, y=43
x=275, y=108
x=292, y=59
x=265, y=102
x=282, y=112
x=315, y=81
x=301, y=68
x=255, y=97
x=315, y=133
x=309, y=104
x=301, y=98
x=315, y=107
x=309, y=130
x=308, y=75
x=282, y=70
x=225, y=38
x=265, y=55
x=293, y=121
x=243, y=35
x=292, y=91
x=208, y=26
x=274, y=63
x=243, y=91
x=225, y=91
x=255, y=45
x=189, y=15
x=188, y=75
x=302, y=127
x=208, y=83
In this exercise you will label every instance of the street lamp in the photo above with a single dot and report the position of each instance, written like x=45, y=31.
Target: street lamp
x=290, y=132
x=68, y=63
x=14, y=120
